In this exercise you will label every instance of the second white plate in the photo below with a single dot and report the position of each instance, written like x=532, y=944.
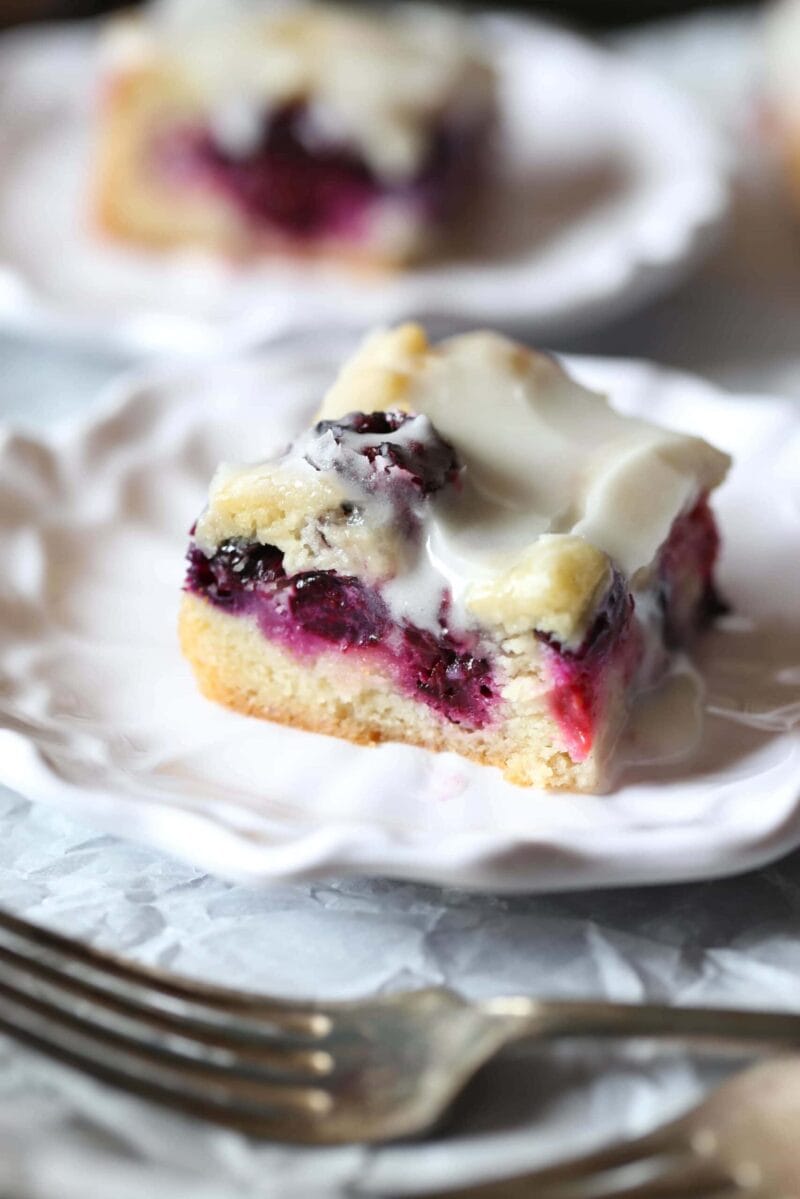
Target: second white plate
x=99, y=714
x=609, y=186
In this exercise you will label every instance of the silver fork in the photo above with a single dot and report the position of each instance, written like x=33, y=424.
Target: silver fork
x=741, y=1142
x=318, y=1073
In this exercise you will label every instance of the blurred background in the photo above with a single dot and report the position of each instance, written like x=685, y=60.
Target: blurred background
x=592, y=13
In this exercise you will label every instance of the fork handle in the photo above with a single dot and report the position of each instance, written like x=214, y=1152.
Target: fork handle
x=588, y=1018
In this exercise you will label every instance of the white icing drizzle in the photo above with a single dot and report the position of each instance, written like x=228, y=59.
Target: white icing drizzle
x=414, y=593
x=549, y=466
x=236, y=126
x=666, y=721
x=542, y=454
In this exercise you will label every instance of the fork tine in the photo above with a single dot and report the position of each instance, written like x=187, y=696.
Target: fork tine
x=237, y=1083
x=253, y=1046
x=249, y=1120
x=660, y=1143
x=599, y=1186
x=656, y=1166
x=707, y=1184
x=660, y=1189
x=304, y=1020
x=691, y=1179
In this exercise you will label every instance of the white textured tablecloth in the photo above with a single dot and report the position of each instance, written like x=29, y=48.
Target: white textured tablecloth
x=734, y=941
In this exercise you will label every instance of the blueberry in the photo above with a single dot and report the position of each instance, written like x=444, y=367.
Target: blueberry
x=364, y=423
x=338, y=608
x=447, y=675
x=235, y=568
x=426, y=464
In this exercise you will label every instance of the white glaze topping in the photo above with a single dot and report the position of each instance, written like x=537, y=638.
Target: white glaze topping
x=556, y=487
x=374, y=79
x=543, y=454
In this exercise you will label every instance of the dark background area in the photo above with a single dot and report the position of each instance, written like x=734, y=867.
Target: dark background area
x=591, y=13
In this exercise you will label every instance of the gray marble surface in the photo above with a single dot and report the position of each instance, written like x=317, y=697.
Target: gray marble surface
x=730, y=941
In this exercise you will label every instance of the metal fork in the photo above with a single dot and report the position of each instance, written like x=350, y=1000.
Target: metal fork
x=318, y=1073
x=742, y=1142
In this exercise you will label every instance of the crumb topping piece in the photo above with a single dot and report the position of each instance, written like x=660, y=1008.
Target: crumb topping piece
x=554, y=587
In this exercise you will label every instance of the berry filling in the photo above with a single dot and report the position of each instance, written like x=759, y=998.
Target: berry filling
x=687, y=599
x=314, y=610
x=338, y=609
x=299, y=180
x=686, y=590
x=319, y=609
x=579, y=676
x=445, y=672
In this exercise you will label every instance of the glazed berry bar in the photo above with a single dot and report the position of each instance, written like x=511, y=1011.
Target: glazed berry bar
x=467, y=551
x=302, y=129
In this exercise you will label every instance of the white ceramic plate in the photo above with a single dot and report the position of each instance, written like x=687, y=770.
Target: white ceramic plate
x=610, y=186
x=99, y=714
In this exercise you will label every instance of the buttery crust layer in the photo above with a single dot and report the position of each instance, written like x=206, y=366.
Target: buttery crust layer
x=355, y=699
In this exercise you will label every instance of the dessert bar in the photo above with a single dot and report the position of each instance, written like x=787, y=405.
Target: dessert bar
x=467, y=551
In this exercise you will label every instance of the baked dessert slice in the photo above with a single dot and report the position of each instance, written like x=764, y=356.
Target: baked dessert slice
x=468, y=551
x=308, y=129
